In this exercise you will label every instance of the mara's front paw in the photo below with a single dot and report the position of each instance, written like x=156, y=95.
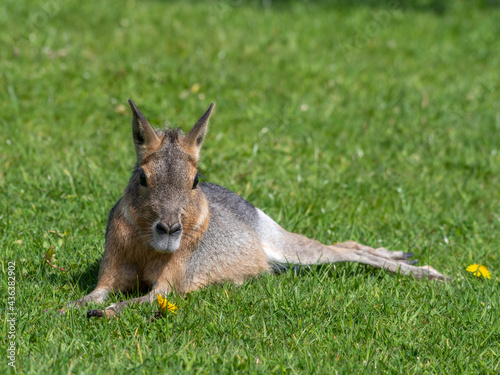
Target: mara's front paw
x=108, y=313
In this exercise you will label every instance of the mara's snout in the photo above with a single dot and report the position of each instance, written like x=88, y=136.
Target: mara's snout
x=166, y=238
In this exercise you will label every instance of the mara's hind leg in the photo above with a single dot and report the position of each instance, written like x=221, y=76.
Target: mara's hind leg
x=297, y=249
x=394, y=261
x=283, y=247
x=400, y=256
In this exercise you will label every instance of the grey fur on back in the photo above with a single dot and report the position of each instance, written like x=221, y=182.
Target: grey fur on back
x=234, y=224
x=223, y=199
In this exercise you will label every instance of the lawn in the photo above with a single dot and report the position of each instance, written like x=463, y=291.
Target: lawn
x=375, y=121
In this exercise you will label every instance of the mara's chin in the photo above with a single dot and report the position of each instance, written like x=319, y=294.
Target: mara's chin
x=166, y=243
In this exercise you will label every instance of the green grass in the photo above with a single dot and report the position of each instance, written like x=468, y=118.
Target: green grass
x=362, y=122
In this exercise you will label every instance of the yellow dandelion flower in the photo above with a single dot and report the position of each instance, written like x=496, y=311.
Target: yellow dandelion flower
x=479, y=270
x=165, y=305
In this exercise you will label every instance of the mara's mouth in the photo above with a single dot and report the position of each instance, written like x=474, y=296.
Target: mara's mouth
x=166, y=241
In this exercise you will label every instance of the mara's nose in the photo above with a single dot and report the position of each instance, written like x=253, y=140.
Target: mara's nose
x=164, y=229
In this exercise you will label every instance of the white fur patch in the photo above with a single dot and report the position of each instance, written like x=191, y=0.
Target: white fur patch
x=272, y=255
x=270, y=233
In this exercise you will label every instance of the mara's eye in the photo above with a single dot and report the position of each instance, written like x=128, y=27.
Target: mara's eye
x=142, y=179
x=197, y=179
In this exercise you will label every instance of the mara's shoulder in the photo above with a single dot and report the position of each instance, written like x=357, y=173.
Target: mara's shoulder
x=224, y=199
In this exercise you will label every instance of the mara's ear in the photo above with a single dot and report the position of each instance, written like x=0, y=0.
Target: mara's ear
x=145, y=138
x=194, y=139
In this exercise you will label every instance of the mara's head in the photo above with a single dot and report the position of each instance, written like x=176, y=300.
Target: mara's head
x=163, y=200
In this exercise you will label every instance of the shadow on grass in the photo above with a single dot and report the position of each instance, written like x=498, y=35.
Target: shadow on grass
x=87, y=280
x=332, y=270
